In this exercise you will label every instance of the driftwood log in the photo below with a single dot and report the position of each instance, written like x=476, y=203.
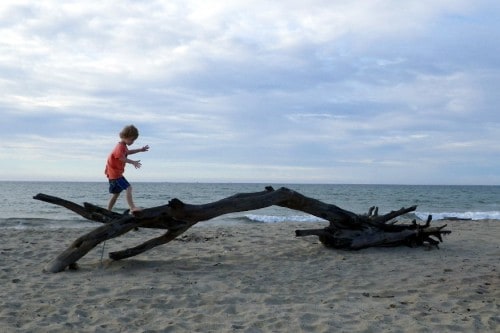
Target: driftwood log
x=346, y=230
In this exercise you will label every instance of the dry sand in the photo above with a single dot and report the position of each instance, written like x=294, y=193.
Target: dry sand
x=253, y=278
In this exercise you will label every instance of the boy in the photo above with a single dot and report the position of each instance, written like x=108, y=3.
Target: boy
x=115, y=166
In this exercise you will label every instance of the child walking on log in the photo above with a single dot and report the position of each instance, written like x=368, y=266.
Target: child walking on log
x=115, y=167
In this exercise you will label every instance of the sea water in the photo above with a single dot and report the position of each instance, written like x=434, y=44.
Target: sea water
x=20, y=211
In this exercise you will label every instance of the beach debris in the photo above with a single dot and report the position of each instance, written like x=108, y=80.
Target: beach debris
x=346, y=230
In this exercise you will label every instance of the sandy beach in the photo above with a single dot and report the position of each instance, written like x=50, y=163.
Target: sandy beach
x=253, y=278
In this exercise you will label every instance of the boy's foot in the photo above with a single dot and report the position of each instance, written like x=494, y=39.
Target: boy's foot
x=135, y=210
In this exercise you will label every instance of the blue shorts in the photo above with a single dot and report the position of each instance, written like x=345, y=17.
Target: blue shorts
x=118, y=185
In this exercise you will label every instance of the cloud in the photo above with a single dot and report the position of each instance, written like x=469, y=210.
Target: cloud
x=323, y=91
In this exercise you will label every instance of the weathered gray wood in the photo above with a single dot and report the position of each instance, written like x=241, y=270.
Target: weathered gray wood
x=165, y=238
x=346, y=229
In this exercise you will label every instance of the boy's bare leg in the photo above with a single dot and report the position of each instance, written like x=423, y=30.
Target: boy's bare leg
x=112, y=200
x=130, y=200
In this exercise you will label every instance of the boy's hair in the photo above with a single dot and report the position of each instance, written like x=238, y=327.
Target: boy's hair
x=129, y=132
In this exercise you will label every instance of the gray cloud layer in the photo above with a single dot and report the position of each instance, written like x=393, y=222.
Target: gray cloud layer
x=323, y=91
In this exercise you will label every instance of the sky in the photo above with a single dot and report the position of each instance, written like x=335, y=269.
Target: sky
x=351, y=92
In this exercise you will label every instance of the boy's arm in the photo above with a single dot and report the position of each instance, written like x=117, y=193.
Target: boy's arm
x=137, y=164
x=135, y=151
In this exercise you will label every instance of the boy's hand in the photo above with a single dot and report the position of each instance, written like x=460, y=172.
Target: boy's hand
x=145, y=148
x=137, y=164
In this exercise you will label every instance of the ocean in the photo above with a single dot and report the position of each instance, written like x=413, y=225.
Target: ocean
x=20, y=211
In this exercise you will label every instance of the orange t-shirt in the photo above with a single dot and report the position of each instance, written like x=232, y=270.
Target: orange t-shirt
x=114, y=166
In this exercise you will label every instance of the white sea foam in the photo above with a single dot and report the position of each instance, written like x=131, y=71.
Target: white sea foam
x=278, y=219
x=493, y=215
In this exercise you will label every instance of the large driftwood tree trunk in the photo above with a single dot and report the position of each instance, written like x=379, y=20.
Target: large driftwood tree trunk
x=346, y=230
